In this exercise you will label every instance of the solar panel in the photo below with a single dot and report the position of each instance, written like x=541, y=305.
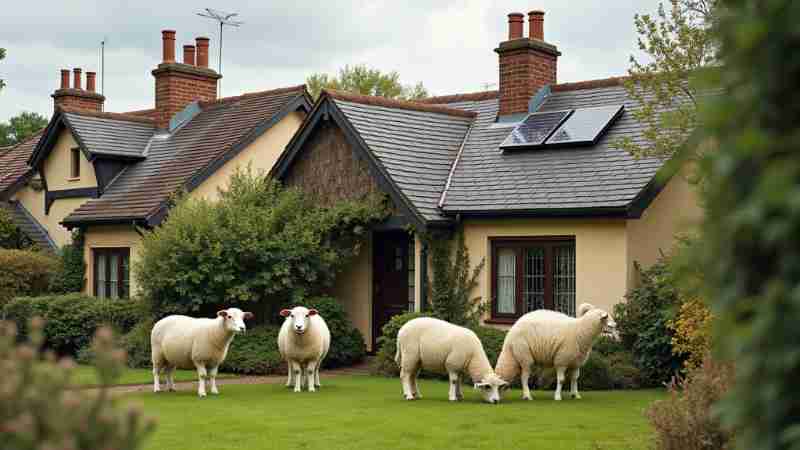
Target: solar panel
x=534, y=129
x=585, y=126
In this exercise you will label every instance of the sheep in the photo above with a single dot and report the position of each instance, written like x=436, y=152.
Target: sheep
x=184, y=342
x=550, y=339
x=303, y=341
x=439, y=346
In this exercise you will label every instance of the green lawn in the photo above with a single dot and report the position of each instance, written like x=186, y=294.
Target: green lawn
x=86, y=376
x=360, y=412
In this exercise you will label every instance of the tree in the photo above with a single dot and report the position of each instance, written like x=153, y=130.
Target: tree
x=20, y=127
x=750, y=257
x=679, y=45
x=361, y=79
x=2, y=56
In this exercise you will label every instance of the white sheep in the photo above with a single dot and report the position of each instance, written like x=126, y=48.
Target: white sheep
x=184, y=342
x=304, y=341
x=550, y=339
x=439, y=346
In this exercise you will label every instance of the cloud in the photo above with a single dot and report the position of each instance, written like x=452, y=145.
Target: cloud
x=446, y=44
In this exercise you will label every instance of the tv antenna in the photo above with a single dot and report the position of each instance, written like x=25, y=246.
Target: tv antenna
x=223, y=19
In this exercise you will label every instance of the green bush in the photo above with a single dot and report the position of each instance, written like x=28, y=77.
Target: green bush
x=492, y=340
x=643, y=321
x=72, y=271
x=71, y=320
x=11, y=237
x=25, y=273
x=259, y=244
x=387, y=344
x=255, y=352
x=136, y=343
x=347, y=344
x=40, y=410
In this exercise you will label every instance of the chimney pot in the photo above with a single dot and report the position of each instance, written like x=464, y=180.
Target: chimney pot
x=90, y=84
x=64, y=79
x=202, y=51
x=188, y=54
x=536, y=24
x=168, y=42
x=515, y=25
x=76, y=78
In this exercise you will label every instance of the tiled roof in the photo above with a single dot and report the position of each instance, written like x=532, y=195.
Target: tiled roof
x=488, y=180
x=173, y=160
x=416, y=144
x=111, y=134
x=14, y=163
x=29, y=225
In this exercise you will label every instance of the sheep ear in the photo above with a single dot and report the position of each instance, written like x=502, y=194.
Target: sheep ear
x=222, y=313
x=285, y=312
x=248, y=315
x=604, y=315
x=312, y=312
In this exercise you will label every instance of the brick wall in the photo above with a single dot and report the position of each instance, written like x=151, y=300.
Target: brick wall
x=525, y=67
x=177, y=85
x=78, y=98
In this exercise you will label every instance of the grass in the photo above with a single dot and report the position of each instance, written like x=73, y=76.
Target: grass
x=360, y=412
x=84, y=375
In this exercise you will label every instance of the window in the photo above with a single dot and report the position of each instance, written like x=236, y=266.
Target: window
x=532, y=273
x=75, y=166
x=411, y=277
x=111, y=272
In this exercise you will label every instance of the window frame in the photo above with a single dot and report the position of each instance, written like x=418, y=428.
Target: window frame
x=123, y=254
x=518, y=244
x=75, y=163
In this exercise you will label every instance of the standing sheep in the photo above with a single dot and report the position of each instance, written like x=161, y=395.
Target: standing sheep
x=184, y=342
x=439, y=346
x=304, y=341
x=550, y=339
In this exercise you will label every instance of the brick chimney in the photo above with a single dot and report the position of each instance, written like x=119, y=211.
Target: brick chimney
x=178, y=84
x=526, y=63
x=76, y=96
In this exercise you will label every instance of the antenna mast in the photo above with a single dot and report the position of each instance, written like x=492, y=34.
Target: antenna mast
x=224, y=19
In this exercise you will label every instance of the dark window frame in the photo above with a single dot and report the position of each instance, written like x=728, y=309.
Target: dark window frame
x=75, y=163
x=517, y=244
x=123, y=281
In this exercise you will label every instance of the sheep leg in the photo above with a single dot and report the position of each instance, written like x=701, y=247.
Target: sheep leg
x=459, y=393
x=524, y=377
x=576, y=372
x=453, y=397
x=156, y=377
x=289, y=372
x=316, y=374
x=171, y=378
x=560, y=381
x=405, y=380
x=201, y=381
x=212, y=374
x=311, y=371
x=414, y=385
x=298, y=376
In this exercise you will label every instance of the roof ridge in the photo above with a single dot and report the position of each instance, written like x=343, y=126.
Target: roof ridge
x=234, y=98
x=107, y=115
x=590, y=84
x=453, y=98
x=393, y=103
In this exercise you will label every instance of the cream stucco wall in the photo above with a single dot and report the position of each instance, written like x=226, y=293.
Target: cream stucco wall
x=33, y=201
x=353, y=287
x=261, y=155
x=674, y=211
x=108, y=236
x=600, y=252
x=58, y=165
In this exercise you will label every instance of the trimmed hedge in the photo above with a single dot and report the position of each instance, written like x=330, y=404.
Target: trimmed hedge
x=25, y=273
x=255, y=352
x=71, y=320
x=347, y=344
x=387, y=344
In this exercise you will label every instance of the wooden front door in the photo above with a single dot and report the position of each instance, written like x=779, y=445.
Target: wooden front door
x=390, y=295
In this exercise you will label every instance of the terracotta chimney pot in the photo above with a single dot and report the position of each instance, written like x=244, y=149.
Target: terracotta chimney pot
x=76, y=78
x=536, y=24
x=168, y=44
x=515, y=25
x=188, y=54
x=202, y=52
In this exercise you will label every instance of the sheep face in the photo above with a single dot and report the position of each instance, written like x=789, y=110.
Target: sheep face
x=233, y=319
x=602, y=318
x=300, y=317
x=491, y=388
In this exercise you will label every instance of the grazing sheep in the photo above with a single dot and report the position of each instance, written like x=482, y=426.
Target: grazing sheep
x=439, y=346
x=184, y=342
x=550, y=339
x=304, y=341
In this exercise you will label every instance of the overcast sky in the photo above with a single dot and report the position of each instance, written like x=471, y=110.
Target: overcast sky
x=446, y=44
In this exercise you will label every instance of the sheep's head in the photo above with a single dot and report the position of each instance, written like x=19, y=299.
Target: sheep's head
x=491, y=388
x=300, y=317
x=601, y=318
x=233, y=319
